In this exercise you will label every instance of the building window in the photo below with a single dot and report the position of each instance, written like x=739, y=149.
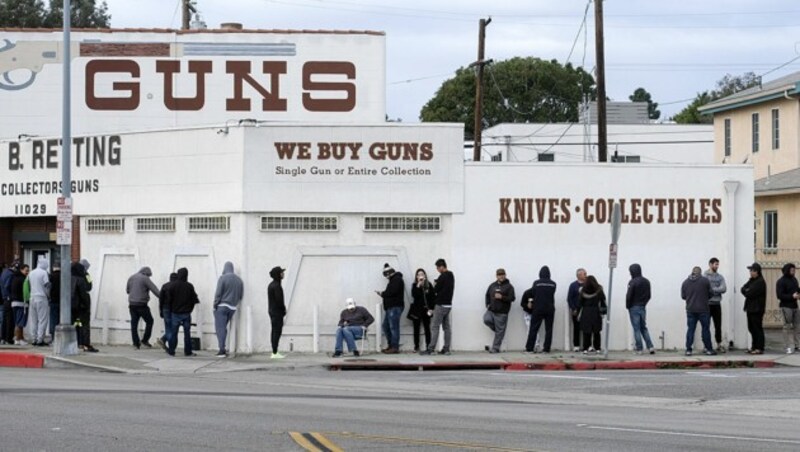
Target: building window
x=755, y=132
x=543, y=157
x=209, y=224
x=100, y=225
x=626, y=158
x=402, y=224
x=776, y=129
x=727, y=138
x=771, y=229
x=299, y=224
x=155, y=224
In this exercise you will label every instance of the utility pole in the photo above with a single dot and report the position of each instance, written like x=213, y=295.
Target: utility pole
x=602, y=133
x=476, y=150
x=188, y=9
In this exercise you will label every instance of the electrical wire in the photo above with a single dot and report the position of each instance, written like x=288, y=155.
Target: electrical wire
x=580, y=28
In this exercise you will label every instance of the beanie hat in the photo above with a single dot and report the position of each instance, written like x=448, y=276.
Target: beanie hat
x=387, y=269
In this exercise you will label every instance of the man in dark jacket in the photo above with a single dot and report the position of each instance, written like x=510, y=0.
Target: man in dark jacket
x=81, y=300
x=55, y=299
x=444, y=288
x=163, y=310
x=755, y=304
x=696, y=291
x=181, y=298
x=788, y=292
x=543, y=308
x=393, y=305
x=230, y=290
x=636, y=301
x=139, y=288
x=6, y=314
x=276, y=308
x=573, y=301
x=18, y=303
x=499, y=297
x=353, y=323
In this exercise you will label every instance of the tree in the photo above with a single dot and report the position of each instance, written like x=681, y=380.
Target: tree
x=33, y=14
x=641, y=95
x=515, y=90
x=725, y=87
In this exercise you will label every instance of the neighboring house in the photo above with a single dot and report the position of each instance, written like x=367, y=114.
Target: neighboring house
x=761, y=126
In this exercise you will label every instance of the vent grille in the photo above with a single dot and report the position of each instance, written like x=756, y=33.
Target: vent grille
x=299, y=224
x=402, y=224
x=155, y=224
x=209, y=224
x=101, y=225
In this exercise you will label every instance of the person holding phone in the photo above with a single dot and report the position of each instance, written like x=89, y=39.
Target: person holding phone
x=421, y=308
x=499, y=297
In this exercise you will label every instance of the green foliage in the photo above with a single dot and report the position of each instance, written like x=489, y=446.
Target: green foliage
x=641, y=95
x=725, y=87
x=33, y=14
x=515, y=90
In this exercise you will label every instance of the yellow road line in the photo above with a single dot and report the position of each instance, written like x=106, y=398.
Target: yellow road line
x=326, y=442
x=303, y=442
x=453, y=444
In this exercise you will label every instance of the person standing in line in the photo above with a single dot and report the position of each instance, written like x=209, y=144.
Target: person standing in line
x=55, y=299
x=18, y=304
x=444, y=287
x=230, y=290
x=419, y=313
x=81, y=301
x=276, y=308
x=718, y=287
x=591, y=308
x=353, y=323
x=788, y=293
x=636, y=300
x=6, y=314
x=696, y=291
x=543, y=308
x=182, y=298
x=393, y=305
x=39, y=307
x=164, y=312
x=573, y=301
x=138, y=289
x=499, y=297
x=755, y=304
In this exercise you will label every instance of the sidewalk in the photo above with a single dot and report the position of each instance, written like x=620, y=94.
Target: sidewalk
x=126, y=359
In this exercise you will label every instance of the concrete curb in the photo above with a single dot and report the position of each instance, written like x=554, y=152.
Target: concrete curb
x=354, y=364
x=18, y=359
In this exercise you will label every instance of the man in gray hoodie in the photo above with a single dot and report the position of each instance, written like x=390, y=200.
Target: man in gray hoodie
x=39, y=313
x=696, y=290
x=139, y=288
x=230, y=290
x=718, y=288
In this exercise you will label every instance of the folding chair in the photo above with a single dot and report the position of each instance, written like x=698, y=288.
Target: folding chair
x=362, y=348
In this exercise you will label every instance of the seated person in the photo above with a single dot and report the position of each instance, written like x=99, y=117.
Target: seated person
x=353, y=323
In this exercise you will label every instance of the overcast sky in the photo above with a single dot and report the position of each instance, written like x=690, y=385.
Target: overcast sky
x=674, y=49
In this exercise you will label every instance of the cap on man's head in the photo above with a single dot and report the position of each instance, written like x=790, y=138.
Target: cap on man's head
x=500, y=271
x=387, y=269
x=350, y=302
x=756, y=267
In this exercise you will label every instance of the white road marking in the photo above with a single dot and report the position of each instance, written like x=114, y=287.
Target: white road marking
x=696, y=435
x=710, y=374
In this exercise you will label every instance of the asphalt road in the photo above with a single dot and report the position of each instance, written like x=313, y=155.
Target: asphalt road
x=732, y=410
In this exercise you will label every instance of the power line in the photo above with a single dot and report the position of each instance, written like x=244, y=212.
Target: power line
x=427, y=77
x=581, y=27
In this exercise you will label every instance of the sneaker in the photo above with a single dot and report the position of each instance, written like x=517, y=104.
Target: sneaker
x=652, y=351
x=147, y=344
x=336, y=354
x=391, y=351
x=638, y=352
x=709, y=352
x=445, y=351
x=21, y=342
x=190, y=354
x=160, y=342
x=576, y=349
x=592, y=350
x=425, y=353
x=789, y=351
x=586, y=352
x=688, y=353
x=356, y=353
x=221, y=354
x=279, y=356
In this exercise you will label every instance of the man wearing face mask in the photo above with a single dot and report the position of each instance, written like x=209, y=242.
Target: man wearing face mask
x=393, y=305
x=353, y=323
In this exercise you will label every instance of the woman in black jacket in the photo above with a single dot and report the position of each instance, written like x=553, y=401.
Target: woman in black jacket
x=755, y=303
x=592, y=302
x=420, y=311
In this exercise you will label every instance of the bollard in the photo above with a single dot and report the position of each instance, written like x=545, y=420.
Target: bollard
x=315, y=345
x=105, y=324
x=249, y=337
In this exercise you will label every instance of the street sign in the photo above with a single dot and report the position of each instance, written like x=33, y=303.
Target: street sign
x=612, y=255
x=64, y=221
x=616, y=221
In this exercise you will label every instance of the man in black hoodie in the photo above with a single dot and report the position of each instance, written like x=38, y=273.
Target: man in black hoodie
x=543, y=307
x=499, y=297
x=788, y=293
x=755, y=304
x=393, y=305
x=181, y=298
x=276, y=308
x=696, y=291
x=636, y=301
x=163, y=310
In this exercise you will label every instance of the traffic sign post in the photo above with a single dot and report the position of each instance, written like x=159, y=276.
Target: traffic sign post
x=64, y=221
x=616, y=224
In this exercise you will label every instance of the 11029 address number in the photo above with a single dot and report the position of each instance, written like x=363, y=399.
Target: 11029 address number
x=30, y=209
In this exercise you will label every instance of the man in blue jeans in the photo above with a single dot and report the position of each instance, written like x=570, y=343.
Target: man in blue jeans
x=696, y=291
x=181, y=298
x=636, y=301
x=353, y=323
x=393, y=305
